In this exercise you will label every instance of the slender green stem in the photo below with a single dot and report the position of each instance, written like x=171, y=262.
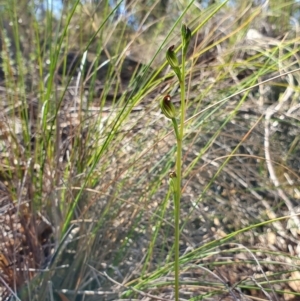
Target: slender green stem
x=175, y=126
x=177, y=192
x=177, y=195
x=169, y=111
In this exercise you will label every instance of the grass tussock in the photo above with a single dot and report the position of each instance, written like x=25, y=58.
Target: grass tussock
x=86, y=209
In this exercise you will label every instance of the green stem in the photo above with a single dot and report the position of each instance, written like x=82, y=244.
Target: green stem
x=177, y=195
x=177, y=192
x=175, y=126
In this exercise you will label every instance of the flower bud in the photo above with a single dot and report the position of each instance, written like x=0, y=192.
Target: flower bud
x=186, y=35
x=173, y=61
x=167, y=107
x=172, y=174
x=173, y=180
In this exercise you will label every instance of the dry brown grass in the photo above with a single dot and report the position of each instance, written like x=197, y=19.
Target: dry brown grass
x=229, y=183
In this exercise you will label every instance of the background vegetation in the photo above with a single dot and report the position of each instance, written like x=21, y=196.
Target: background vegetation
x=85, y=209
